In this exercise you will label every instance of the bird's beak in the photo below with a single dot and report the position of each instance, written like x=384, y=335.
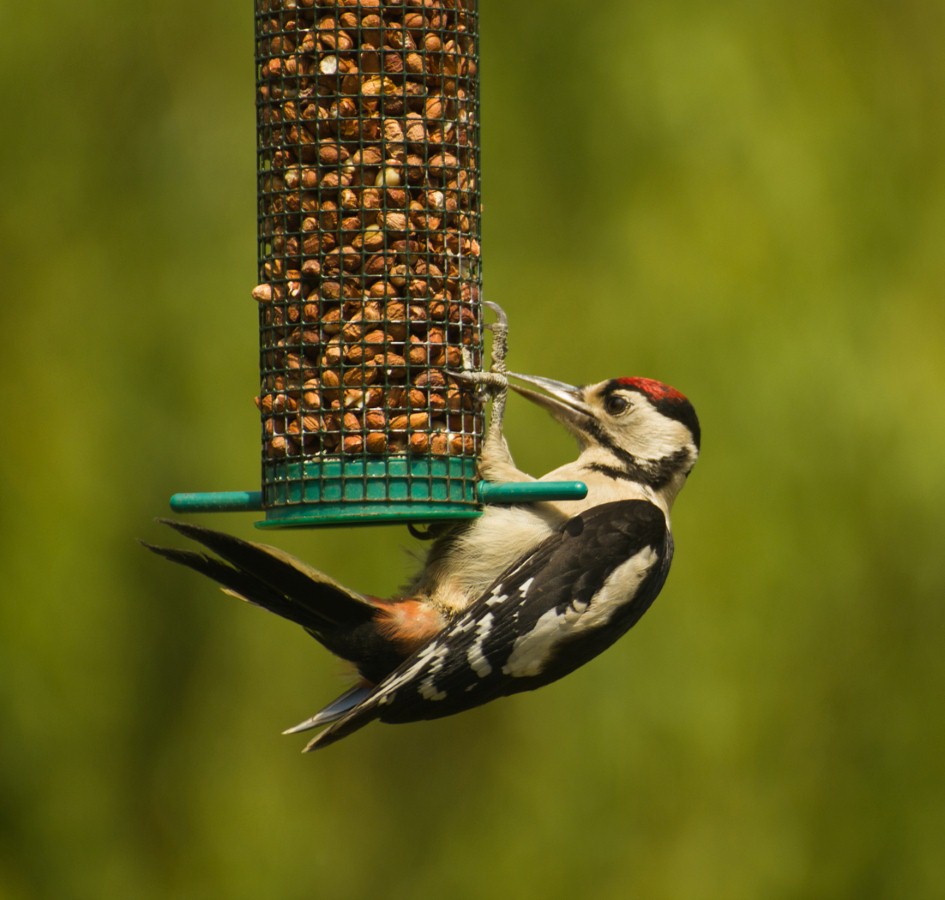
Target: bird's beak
x=564, y=401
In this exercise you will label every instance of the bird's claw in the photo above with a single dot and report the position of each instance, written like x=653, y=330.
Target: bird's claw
x=500, y=338
x=501, y=319
x=494, y=380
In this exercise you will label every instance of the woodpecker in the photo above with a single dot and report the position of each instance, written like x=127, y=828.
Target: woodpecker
x=638, y=440
x=516, y=599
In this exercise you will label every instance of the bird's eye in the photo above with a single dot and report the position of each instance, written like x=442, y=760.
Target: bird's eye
x=615, y=404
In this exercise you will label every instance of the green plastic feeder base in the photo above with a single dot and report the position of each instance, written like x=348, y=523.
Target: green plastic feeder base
x=399, y=489
x=357, y=491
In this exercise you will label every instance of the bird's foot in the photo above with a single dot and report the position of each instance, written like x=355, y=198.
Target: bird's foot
x=494, y=380
x=500, y=337
x=495, y=457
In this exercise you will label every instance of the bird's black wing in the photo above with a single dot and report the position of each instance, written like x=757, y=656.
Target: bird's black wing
x=545, y=616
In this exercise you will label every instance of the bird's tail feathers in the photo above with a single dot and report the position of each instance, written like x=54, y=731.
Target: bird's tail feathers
x=268, y=577
x=364, y=711
x=334, y=710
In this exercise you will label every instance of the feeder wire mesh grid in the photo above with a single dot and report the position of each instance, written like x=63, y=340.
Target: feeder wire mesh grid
x=369, y=255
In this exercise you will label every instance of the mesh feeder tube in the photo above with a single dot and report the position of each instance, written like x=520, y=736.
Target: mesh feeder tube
x=369, y=258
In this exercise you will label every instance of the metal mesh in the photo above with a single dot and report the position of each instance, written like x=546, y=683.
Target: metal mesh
x=369, y=254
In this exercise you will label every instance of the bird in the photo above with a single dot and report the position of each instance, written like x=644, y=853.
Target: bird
x=511, y=601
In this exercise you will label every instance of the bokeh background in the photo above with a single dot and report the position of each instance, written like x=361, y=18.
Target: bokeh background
x=745, y=199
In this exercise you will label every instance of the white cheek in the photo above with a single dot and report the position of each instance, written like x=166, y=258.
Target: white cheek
x=653, y=436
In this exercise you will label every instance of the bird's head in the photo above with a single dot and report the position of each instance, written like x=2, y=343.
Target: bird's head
x=630, y=428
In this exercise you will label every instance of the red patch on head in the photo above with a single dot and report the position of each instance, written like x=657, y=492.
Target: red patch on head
x=653, y=388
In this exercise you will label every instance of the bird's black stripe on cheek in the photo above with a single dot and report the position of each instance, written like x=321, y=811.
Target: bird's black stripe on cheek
x=637, y=474
x=670, y=465
x=616, y=474
x=632, y=470
x=602, y=438
x=655, y=475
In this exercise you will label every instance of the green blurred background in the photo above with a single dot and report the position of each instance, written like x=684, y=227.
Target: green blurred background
x=745, y=199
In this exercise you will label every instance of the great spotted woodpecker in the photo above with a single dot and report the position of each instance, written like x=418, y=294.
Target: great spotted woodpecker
x=511, y=601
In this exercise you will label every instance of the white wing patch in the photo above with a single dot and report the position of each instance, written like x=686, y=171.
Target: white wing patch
x=430, y=658
x=474, y=656
x=532, y=651
x=429, y=691
x=497, y=597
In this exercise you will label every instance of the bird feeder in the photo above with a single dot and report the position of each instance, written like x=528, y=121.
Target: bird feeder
x=369, y=264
